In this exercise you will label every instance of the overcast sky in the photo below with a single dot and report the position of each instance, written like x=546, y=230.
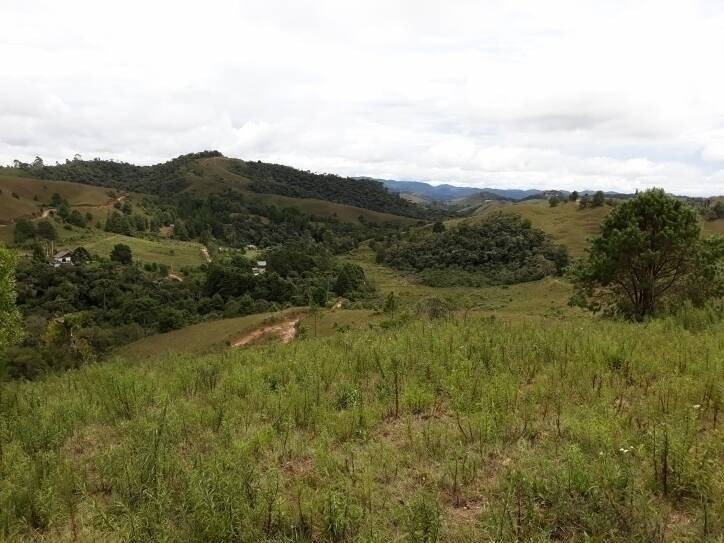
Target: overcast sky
x=575, y=94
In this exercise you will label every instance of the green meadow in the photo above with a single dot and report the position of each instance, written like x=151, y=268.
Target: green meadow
x=456, y=430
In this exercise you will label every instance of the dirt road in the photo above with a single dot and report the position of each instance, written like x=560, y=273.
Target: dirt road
x=285, y=330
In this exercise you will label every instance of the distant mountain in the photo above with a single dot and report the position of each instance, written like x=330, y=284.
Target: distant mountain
x=433, y=192
x=447, y=193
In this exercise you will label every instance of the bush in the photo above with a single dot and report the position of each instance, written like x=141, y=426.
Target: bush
x=434, y=308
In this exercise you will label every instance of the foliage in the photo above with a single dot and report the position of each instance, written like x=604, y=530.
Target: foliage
x=122, y=254
x=121, y=302
x=46, y=230
x=10, y=328
x=598, y=199
x=649, y=253
x=24, y=231
x=502, y=249
x=364, y=193
x=434, y=308
x=162, y=179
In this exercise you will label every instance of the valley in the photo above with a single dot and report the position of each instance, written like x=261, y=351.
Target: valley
x=234, y=351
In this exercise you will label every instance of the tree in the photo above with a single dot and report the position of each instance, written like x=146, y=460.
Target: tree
x=573, y=196
x=46, y=230
x=718, y=210
x=24, y=231
x=56, y=200
x=390, y=304
x=10, y=328
x=649, y=249
x=598, y=199
x=351, y=278
x=553, y=201
x=76, y=218
x=122, y=253
x=438, y=227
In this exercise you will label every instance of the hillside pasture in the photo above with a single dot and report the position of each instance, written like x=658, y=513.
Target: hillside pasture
x=175, y=254
x=201, y=338
x=453, y=431
x=566, y=223
x=547, y=297
x=77, y=195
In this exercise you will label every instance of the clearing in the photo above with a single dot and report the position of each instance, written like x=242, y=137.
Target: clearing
x=284, y=331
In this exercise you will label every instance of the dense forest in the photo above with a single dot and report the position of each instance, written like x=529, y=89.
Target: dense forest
x=504, y=249
x=365, y=193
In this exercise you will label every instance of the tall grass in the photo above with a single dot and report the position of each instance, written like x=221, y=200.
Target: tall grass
x=435, y=431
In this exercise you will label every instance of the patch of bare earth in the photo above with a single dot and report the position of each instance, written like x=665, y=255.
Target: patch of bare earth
x=285, y=331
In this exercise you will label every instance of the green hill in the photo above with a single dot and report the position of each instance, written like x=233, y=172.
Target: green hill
x=450, y=431
x=24, y=197
x=566, y=223
x=209, y=173
x=217, y=175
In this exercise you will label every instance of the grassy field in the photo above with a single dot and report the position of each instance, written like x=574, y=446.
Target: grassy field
x=173, y=253
x=330, y=322
x=27, y=189
x=548, y=297
x=566, y=223
x=199, y=338
x=483, y=430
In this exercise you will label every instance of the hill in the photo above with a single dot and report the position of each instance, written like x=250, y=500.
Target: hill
x=566, y=223
x=288, y=181
x=220, y=175
x=503, y=249
x=23, y=197
x=166, y=178
x=449, y=193
x=459, y=431
x=188, y=173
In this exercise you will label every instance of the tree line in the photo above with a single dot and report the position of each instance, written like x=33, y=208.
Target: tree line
x=74, y=314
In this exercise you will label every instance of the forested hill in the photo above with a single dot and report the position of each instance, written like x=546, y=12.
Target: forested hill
x=365, y=193
x=170, y=178
x=166, y=178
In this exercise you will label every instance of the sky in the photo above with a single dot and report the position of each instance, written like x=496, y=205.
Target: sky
x=509, y=94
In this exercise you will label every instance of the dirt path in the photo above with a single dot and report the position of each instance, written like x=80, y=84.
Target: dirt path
x=47, y=212
x=205, y=252
x=286, y=330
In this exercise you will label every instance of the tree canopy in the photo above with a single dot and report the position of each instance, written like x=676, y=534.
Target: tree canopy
x=649, y=250
x=503, y=249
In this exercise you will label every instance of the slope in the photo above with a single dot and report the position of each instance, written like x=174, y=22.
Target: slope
x=26, y=197
x=476, y=431
x=217, y=175
x=566, y=223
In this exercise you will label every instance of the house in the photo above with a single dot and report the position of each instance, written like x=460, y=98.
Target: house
x=259, y=268
x=62, y=257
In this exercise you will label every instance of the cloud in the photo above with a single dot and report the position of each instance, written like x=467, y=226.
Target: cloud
x=613, y=95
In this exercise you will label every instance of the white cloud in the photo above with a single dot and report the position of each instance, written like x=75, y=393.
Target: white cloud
x=615, y=95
